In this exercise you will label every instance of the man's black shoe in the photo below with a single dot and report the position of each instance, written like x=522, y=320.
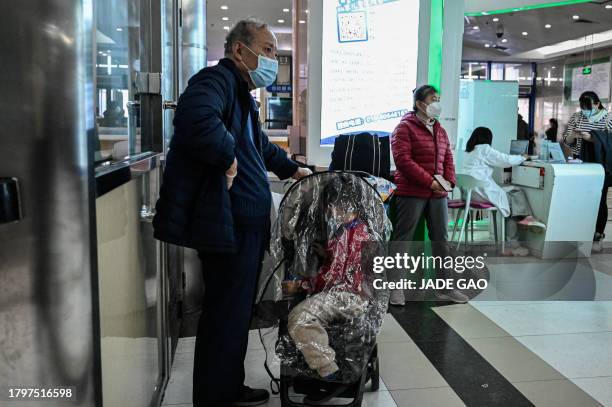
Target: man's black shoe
x=324, y=395
x=252, y=397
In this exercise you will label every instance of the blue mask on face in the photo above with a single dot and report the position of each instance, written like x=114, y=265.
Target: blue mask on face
x=265, y=73
x=587, y=113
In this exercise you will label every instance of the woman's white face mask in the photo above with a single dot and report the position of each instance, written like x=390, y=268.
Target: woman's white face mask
x=434, y=110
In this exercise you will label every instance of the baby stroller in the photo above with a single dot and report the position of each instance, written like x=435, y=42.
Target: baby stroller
x=329, y=228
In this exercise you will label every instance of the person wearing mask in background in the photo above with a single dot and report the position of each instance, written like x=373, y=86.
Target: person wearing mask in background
x=592, y=116
x=479, y=162
x=552, y=130
x=215, y=197
x=421, y=149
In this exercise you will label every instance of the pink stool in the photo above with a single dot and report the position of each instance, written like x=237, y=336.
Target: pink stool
x=466, y=184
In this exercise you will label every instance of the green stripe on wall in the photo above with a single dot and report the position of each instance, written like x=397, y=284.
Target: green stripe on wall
x=523, y=8
x=434, y=74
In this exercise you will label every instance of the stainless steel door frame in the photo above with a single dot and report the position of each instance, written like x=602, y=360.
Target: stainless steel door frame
x=153, y=14
x=48, y=267
x=151, y=64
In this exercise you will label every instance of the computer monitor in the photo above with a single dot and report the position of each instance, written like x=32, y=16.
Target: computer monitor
x=280, y=113
x=557, y=155
x=519, y=147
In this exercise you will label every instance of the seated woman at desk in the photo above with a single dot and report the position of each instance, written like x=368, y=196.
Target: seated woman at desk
x=511, y=201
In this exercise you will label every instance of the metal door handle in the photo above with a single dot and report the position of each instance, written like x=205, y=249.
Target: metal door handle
x=169, y=104
x=10, y=201
x=147, y=214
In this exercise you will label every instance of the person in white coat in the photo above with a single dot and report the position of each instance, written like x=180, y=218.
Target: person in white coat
x=479, y=161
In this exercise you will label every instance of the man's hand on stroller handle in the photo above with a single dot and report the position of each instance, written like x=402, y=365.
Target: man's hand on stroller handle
x=295, y=286
x=301, y=173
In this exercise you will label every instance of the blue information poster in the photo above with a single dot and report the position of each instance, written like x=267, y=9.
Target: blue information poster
x=369, y=63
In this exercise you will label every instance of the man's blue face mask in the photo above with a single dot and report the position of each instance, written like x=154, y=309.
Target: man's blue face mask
x=265, y=73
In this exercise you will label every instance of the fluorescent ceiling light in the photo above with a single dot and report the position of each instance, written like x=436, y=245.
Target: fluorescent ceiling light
x=302, y=21
x=576, y=17
x=495, y=19
x=281, y=21
x=119, y=29
x=476, y=27
x=226, y=28
x=505, y=40
x=487, y=45
x=547, y=26
x=225, y=18
x=525, y=33
x=224, y=8
x=286, y=10
x=608, y=6
x=600, y=39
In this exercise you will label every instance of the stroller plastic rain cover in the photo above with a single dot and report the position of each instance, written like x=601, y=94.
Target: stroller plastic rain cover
x=319, y=306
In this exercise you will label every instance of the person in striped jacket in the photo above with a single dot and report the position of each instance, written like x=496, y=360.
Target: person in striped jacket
x=592, y=116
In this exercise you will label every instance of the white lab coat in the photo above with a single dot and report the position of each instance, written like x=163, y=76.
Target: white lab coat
x=479, y=163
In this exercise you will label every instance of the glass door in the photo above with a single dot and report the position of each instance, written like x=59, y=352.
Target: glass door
x=117, y=56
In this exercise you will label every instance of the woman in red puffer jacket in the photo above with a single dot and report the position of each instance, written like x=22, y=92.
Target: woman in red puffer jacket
x=422, y=150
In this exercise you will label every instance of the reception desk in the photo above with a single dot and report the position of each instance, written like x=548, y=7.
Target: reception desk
x=566, y=198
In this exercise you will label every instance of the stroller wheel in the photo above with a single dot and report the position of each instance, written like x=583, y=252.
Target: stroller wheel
x=373, y=369
x=375, y=375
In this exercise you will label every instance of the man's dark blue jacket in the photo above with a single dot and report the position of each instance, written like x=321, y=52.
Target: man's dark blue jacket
x=195, y=209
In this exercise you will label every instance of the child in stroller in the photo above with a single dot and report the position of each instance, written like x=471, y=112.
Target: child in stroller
x=335, y=292
x=328, y=230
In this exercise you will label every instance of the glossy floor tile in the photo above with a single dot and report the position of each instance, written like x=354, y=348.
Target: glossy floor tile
x=513, y=359
x=432, y=397
x=600, y=388
x=392, y=331
x=562, y=345
x=556, y=393
x=469, y=322
x=180, y=386
x=507, y=353
x=575, y=355
x=468, y=373
x=403, y=366
x=549, y=318
x=179, y=390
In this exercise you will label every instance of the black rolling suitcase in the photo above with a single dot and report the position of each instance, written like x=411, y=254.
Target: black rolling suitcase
x=364, y=152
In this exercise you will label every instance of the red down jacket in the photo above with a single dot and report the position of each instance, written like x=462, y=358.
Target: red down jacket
x=342, y=269
x=418, y=155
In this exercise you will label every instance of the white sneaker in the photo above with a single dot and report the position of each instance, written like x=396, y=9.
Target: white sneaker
x=597, y=246
x=453, y=296
x=397, y=297
x=520, y=252
x=532, y=222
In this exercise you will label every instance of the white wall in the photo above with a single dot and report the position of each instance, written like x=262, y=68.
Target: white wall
x=452, y=43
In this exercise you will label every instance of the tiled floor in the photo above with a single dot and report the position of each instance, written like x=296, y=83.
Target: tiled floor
x=538, y=375
x=555, y=353
x=407, y=377
x=552, y=364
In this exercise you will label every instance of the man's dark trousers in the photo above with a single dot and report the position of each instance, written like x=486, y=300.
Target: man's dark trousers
x=230, y=285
